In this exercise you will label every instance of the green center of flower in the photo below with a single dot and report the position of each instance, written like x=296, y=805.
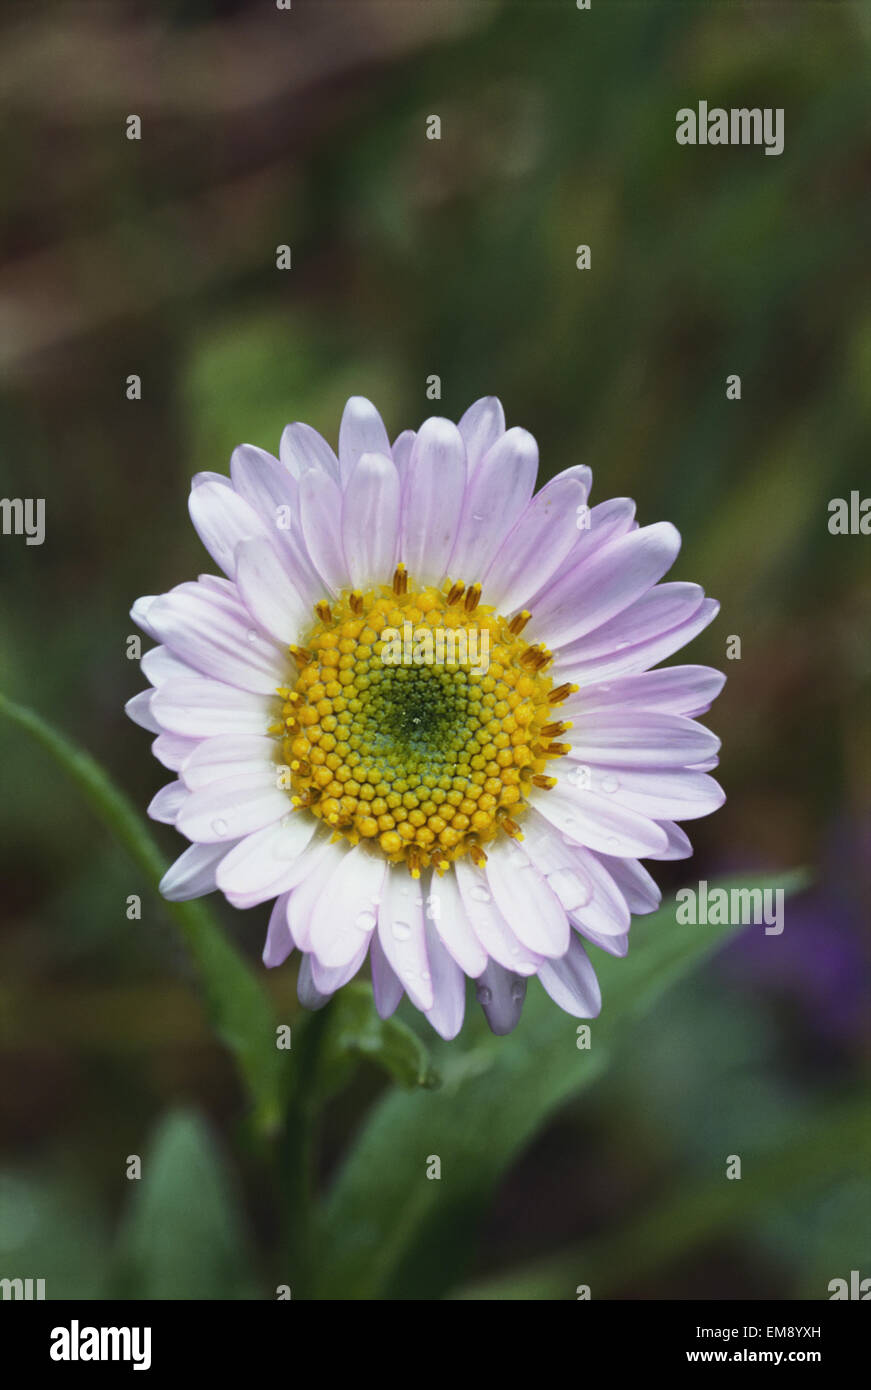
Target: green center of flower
x=418, y=721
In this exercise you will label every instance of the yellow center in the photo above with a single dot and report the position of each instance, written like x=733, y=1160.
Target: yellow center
x=418, y=722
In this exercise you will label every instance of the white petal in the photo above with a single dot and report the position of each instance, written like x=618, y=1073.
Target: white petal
x=261, y=860
x=218, y=637
x=640, y=891
x=196, y=707
x=677, y=794
x=303, y=450
x=309, y=995
x=654, y=613
x=302, y=902
x=166, y=805
x=228, y=755
x=539, y=543
x=444, y=907
x=670, y=690
x=604, y=523
x=172, y=750
x=432, y=500
x=400, y=931
x=266, y=485
x=596, y=822
x=386, y=985
x=598, y=588
x=497, y=495
x=481, y=425
x=571, y=982
x=402, y=447
x=501, y=995
x=370, y=521
x=296, y=871
x=160, y=665
x=605, y=911
x=193, y=873
x=677, y=842
x=139, y=614
x=640, y=655
x=279, y=942
x=614, y=945
x=225, y=811
x=488, y=924
x=634, y=738
x=531, y=909
x=327, y=979
x=269, y=593
x=361, y=432
x=207, y=476
x=139, y=710
x=344, y=915
x=448, y=987
x=320, y=504
x=222, y=519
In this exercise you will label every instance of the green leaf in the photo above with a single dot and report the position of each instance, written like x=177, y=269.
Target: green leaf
x=828, y=1145
x=356, y=1032
x=391, y=1231
x=183, y=1237
x=240, y=1010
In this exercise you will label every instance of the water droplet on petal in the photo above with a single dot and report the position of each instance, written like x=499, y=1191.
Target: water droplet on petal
x=401, y=931
x=518, y=990
x=480, y=893
x=585, y=891
x=483, y=994
x=365, y=921
x=252, y=634
x=610, y=784
x=220, y=828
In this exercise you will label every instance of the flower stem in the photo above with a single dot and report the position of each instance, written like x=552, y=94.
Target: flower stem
x=297, y=1156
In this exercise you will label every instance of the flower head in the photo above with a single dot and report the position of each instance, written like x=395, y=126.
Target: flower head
x=418, y=712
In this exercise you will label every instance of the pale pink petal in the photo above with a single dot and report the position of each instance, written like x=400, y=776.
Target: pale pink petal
x=370, y=521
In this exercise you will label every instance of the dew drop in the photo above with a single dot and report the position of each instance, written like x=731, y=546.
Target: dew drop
x=220, y=828
x=401, y=931
x=252, y=634
x=365, y=921
x=518, y=990
x=483, y=994
x=480, y=893
x=610, y=784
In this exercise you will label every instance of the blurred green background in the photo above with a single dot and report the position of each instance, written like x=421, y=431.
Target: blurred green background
x=455, y=257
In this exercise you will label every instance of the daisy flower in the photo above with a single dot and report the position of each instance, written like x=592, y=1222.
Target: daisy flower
x=443, y=818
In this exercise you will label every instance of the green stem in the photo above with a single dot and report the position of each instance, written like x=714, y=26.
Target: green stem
x=298, y=1153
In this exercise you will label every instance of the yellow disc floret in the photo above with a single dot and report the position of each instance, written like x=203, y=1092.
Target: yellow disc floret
x=418, y=720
